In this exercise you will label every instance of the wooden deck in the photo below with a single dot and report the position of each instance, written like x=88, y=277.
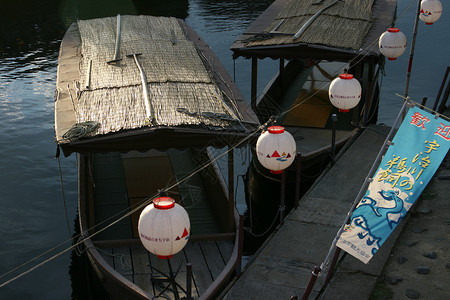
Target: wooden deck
x=208, y=259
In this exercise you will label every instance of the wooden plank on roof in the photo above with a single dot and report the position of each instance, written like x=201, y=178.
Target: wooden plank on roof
x=382, y=16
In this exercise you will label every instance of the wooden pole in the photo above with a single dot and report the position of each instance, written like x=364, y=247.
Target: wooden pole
x=240, y=246
x=411, y=53
x=188, y=281
x=333, y=138
x=311, y=282
x=254, y=80
x=231, y=185
x=282, y=197
x=297, y=179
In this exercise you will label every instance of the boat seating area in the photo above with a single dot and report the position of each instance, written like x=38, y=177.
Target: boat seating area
x=124, y=181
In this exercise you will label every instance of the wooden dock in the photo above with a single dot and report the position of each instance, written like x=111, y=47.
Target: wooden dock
x=283, y=265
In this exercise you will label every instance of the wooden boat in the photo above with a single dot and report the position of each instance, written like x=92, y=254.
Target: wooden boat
x=314, y=42
x=144, y=103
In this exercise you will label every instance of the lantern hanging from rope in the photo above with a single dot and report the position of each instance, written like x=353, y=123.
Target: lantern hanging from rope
x=392, y=43
x=430, y=11
x=164, y=227
x=345, y=92
x=276, y=149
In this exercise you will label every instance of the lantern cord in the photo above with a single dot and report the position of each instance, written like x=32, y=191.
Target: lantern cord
x=80, y=249
x=123, y=261
x=399, y=16
x=249, y=230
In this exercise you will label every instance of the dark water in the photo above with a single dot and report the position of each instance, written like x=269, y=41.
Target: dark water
x=33, y=211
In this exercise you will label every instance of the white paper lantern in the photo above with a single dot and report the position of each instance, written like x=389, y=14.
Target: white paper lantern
x=164, y=227
x=345, y=92
x=430, y=11
x=276, y=149
x=392, y=43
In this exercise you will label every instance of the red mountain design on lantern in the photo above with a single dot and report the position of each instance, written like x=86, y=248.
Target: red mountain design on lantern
x=184, y=235
x=275, y=154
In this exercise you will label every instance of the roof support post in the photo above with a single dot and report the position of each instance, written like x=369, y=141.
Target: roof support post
x=254, y=81
x=369, y=84
x=281, y=71
x=231, y=185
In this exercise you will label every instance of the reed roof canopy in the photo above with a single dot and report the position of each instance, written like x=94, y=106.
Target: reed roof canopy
x=160, y=86
x=335, y=30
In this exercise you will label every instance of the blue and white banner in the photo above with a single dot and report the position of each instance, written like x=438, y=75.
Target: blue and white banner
x=415, y=154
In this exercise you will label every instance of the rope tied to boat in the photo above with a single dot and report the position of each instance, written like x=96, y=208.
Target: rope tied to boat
x=80, y=130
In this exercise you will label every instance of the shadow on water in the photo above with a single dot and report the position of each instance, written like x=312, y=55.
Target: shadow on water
x=85, y=283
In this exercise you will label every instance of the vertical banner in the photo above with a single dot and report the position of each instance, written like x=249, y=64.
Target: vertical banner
x=413, y=157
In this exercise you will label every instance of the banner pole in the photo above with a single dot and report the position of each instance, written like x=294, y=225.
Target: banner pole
x=317, y=269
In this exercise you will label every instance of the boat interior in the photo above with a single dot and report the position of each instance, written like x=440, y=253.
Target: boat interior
x=299, y=99
x=122, y=184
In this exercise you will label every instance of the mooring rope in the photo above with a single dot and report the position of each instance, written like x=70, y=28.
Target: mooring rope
x=63, y=194
x=80, y=130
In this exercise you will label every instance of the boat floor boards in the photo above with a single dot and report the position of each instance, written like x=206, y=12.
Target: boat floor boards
x=208, y=258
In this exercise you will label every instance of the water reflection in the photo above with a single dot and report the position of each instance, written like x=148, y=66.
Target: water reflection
x=29, y=29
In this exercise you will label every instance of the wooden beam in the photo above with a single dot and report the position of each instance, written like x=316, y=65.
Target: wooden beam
x=254, y=81
x=231, y=186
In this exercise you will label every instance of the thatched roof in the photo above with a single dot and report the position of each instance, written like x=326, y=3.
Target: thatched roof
x=291, y=28
x=186, y=85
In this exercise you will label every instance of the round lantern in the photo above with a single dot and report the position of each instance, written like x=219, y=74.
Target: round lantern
x=430, y=11
x=164, y=227
x=392, y=43
x=345, y=92
x=276, y=149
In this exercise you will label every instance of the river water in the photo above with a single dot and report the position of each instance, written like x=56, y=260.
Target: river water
x=35, y=214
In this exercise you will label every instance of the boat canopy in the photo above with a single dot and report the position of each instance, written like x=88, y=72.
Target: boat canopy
x=335, y=30
x=142, y=82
